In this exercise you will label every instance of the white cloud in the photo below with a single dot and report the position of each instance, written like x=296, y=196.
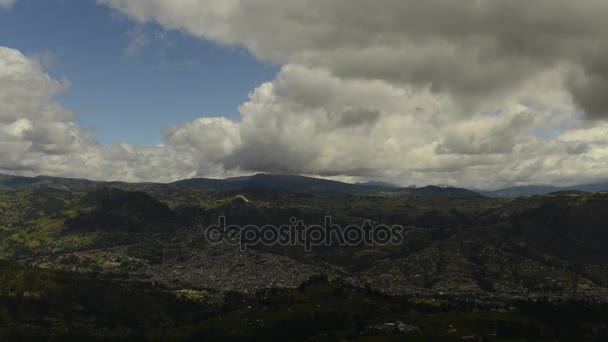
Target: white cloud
x=40, y=136
x=410, y=92
x=310, y=121
x=465, y=49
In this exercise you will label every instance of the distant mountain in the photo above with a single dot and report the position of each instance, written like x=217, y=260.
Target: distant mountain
x=19, y=183
x=270, y=182
x=302, y=184
x=259, y=183
x=432, y=190
x=533, y=190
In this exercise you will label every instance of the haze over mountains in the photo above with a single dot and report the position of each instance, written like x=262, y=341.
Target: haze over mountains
x=287, y=183
x=532, y=190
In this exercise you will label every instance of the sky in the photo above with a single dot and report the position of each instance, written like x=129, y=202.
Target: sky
x=483, y=94
x=115, y=68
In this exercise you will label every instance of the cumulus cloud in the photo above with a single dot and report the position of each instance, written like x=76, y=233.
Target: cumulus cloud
x=474, y=93
x=40, y=136
x=468, y=49
x=376, y=130
x=28, y=113
x=311, y=121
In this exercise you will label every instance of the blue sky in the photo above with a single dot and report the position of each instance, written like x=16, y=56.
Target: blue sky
x=130, y=98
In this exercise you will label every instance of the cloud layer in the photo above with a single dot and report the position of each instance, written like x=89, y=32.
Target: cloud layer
x=468, y=49
x=474, y=93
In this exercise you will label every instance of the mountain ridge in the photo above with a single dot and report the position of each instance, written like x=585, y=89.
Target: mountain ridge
x=257, y=182
x=288, y=183
x=533, y=190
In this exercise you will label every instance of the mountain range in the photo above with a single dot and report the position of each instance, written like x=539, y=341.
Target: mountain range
x=256, y=183
x=289, y=183
x=533, y=190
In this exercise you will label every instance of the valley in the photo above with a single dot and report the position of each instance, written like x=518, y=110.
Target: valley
x=462, y=253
